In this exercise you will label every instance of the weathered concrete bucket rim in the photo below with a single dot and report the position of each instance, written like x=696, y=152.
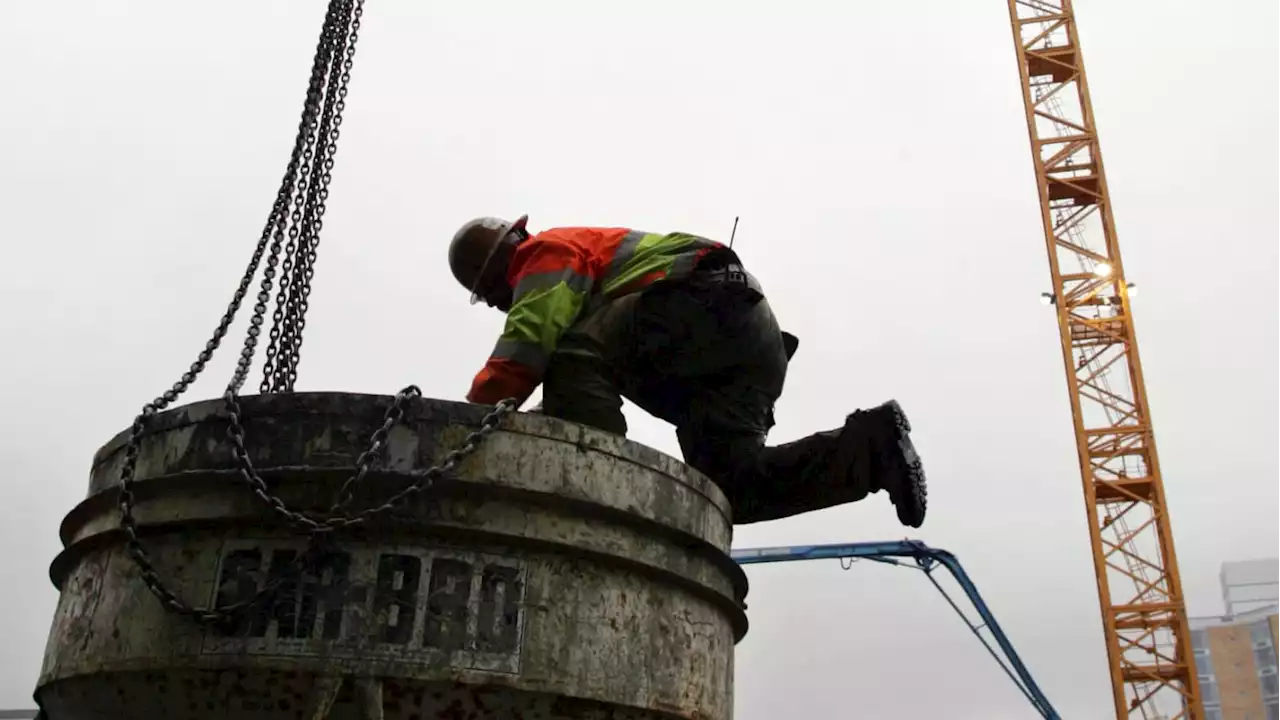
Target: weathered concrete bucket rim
x=462, y=413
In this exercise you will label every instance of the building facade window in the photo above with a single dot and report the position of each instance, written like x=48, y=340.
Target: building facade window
x=1204, y=665
x=1200, y=641
x=1260, y=633
x=1266, y=662
x=1208, y=691
x=1270, y=684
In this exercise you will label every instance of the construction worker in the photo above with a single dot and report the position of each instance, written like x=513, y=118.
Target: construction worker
x=675, y=324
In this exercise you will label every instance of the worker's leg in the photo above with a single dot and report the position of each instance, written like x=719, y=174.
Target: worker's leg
x=720, y=437
x=768, y=483
x=714, y=365
x=581, y=383
x=728, y=362
x=871, y=452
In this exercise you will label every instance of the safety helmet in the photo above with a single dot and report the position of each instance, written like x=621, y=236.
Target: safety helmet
x=474, y=246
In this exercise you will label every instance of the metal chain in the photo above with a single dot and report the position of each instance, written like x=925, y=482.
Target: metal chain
x=334, y=519
x=282, y=327
x=319, y=528
x=309, y=206
x=336, y=29
x=308, y=184
x=269, y=245
x=286, y=372
x=330, y=150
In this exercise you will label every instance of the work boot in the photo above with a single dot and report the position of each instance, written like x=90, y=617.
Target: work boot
x=895, y=464
x=869, y=453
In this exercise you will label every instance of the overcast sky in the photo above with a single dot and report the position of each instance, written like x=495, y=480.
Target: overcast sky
x=878, y=156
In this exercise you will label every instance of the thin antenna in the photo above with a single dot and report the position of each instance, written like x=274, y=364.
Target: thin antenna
x=735, y=232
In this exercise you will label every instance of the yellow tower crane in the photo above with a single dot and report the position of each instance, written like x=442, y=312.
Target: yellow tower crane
x=1144, y=618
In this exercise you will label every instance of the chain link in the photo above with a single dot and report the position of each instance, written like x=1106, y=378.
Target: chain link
x=334, y=519
x=269, y=245
x=288, y=320
x=318, y=527
x=330, y=150
x=294, y=227
x=297, y=182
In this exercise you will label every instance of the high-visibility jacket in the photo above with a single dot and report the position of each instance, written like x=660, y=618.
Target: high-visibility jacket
x=560, y=274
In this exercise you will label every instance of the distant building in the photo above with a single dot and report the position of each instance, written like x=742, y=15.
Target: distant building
x=1235, y=653
x=17, y=714
x=1249, y=585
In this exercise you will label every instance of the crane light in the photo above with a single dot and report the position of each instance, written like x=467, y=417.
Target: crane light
x=1102, y=269
x=1133, y=289
x=1047, y=298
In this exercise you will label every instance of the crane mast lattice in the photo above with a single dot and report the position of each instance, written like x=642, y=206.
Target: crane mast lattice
x=1143, y=615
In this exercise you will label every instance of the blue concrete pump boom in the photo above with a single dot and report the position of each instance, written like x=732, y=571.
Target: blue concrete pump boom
x=926, y=559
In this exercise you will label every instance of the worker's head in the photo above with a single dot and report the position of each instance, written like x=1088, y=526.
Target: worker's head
x=480, y=254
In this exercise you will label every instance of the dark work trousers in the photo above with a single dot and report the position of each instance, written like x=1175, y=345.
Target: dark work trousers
x=712, y=363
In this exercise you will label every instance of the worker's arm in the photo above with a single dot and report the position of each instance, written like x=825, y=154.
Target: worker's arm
x=552, y=282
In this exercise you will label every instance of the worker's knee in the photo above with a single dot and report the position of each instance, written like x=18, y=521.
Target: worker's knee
x=730, y=459
x=579, y=389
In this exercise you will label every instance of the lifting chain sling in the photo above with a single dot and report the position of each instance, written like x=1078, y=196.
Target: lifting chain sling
x=293, y=225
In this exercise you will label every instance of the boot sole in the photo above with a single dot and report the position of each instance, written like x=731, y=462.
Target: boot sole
x=911, y=496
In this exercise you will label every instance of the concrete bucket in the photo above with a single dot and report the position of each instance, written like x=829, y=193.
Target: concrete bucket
x=558, y=573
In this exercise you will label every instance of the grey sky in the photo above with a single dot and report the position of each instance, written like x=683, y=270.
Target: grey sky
x=878, y=157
